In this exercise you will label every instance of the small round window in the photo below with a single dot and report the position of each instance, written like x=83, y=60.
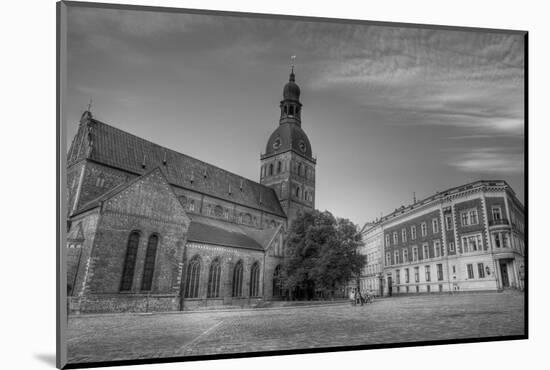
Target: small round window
x=277, y=143
x=302, y=146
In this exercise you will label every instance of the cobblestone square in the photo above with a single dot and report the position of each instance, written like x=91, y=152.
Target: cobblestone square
x=388, y=320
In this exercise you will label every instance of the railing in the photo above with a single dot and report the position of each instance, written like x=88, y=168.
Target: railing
x=501, y=221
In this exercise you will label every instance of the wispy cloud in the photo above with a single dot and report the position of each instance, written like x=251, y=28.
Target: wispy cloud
x=490, y=160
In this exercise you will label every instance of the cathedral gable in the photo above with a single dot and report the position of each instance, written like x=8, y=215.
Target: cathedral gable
x=148, y=196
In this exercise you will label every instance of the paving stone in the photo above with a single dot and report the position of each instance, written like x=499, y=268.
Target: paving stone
x=392, y=320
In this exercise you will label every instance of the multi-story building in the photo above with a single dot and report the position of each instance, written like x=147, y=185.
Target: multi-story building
x=466, y=238
x=371, y=276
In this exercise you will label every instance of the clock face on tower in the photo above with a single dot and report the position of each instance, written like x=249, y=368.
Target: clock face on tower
x=277, y=143
x=302, y=146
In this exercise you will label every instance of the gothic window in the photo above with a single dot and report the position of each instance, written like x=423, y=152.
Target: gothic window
x=130, y=261
x=279, y=166
x=271, y=169
x=193, y=278
x=214, y=279
x=277, y=291
x=306, y=195
x=297, y=192
x=300, y=169
x=191, y=205
x=255, y=280
x=149, y=265
x=238, y=280
x=218, y=211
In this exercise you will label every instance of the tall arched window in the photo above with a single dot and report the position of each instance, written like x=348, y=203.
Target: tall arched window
x=130, y=261
x=255, y=280
x=149, y=265
x=193, y=278
x=299, y=169
x=277, y=291
x=297, y=192
x=214, y=279
x=238, y=280
x=271, y=169
x=279, y=167
x=305, y=195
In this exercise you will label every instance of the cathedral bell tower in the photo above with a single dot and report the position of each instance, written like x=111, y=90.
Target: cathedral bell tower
x=288, y=165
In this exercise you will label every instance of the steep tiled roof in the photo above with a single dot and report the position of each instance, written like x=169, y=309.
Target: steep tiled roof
x=111, y=193
x=211, y=231
x=113, y=147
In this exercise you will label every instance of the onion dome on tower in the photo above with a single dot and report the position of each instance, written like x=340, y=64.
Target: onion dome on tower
x=289, y=135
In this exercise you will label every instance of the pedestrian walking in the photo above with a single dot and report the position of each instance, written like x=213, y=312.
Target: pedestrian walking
x=352, y=297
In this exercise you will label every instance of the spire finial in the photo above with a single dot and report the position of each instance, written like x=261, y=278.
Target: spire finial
x=292, y=58
x=90, y=105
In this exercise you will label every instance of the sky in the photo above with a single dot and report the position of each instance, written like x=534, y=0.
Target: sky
x=389, y=111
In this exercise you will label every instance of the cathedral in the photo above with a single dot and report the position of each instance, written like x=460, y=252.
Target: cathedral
x=152, y=229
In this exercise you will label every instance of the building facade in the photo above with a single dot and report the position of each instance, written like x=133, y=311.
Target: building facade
x=151, y=229
x=372, y=274
x=468, y=238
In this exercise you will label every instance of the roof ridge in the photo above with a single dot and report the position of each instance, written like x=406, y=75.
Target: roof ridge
x=185, y=155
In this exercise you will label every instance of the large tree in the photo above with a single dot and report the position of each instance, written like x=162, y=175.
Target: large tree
x=321, y=254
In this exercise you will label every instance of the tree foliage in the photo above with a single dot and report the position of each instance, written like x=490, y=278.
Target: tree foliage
x=321, y=253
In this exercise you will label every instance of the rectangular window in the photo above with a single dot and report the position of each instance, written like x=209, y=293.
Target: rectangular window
x=454, y=269
x=396, y=257
x=387, y=240
x=395, y=238
x=427, y=271
x=496, y=213
x=397, y=276
x=413, y=232
x=473, y=217
x=480, y=270
x=404, y=235
x=498, y=244
x=417, y=289
x=470, y=271
x=416, y=275
x=424, y=229
x=437, y=249
x=439, y=271
x=472, y=243
x=449, y=222
x=435, y=226
x=407, y=276
x=451, y=246
x=388, y=259
x=428, y=288
x=405, y=256
x=415, y=253
x=464, y=218
x=425, y=251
